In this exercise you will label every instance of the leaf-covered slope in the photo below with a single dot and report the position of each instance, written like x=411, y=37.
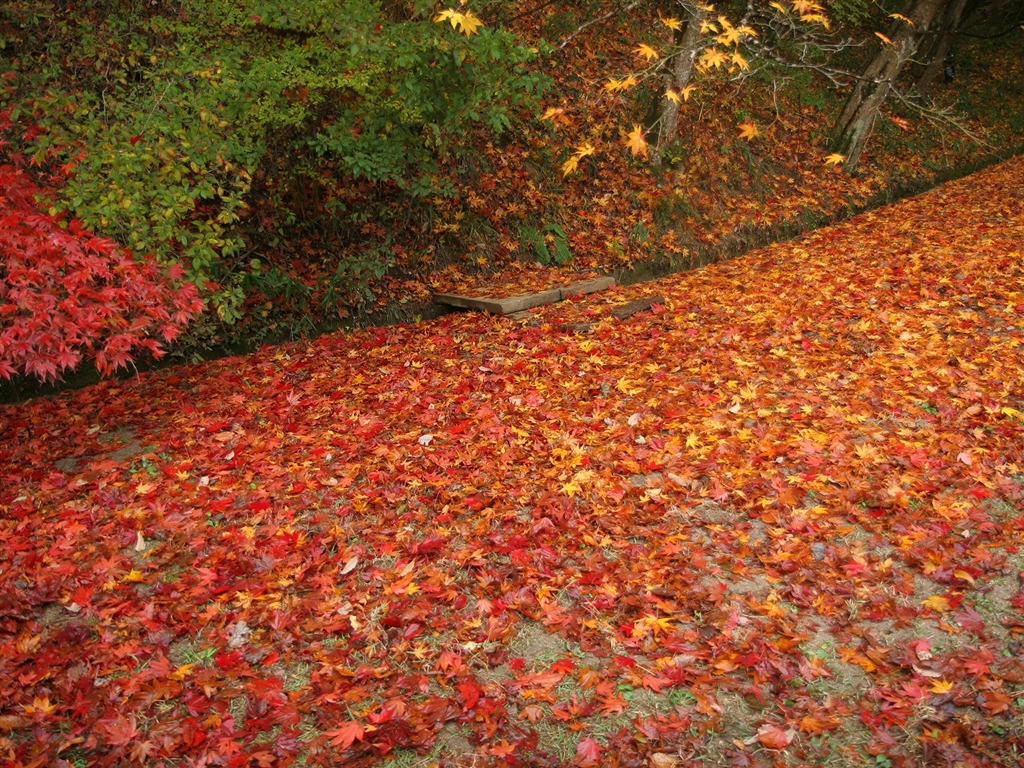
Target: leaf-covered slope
x=774, y=521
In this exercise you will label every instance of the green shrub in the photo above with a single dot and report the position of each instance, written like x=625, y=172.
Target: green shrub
x=549, y=244
x=196, y=130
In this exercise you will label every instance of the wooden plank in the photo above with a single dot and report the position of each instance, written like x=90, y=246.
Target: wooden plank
x=468, y=302
x=628, y=310
x=588, y=286
x=500, y=306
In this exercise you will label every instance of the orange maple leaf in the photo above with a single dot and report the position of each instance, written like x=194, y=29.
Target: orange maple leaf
x=748, y=131
x=346, y=734
x=557, y=116
x=773, y=736
x=637, y=143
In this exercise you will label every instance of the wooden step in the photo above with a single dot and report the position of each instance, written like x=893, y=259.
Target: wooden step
x=525, y=301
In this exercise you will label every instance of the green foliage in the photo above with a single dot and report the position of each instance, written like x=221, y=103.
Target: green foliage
x=355, y=275
x=193, y=130
x=853, y=12
x=549, y=244
x=803, y=84
x=672, y=211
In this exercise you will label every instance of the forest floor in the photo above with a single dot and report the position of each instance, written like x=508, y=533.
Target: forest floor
x=775, y=520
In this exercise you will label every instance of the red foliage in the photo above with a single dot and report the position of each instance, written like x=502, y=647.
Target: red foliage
x=66, y=294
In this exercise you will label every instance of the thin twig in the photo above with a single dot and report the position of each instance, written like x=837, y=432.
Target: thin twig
x=596, y=20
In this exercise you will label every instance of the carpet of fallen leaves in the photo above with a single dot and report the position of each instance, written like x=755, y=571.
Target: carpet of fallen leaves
x=774, y=521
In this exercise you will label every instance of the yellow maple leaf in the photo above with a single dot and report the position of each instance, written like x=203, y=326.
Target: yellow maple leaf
x=625, y=386
x=637, y=143
x=683, y=94
x=748, y=131
x=941, y=686
x=730, y=36
x=614, y=85
x=447, y=15
x=571, y=488
x=647, y=52
x=883, y=38
x=181, y=672
x=936, y=603
x=712, y=58
x=901, y=17
x=806, y=6
x=835, y=159
x=470, y=23
x=584, y=149
x=466, y=23
x=739, y=61
x=779, y=7
x=672, y=23
x=571, y=165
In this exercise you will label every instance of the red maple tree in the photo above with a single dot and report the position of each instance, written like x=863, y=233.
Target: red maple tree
x=67, y=295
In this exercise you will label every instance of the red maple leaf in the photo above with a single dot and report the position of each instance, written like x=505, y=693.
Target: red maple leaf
x=346, y=734
x=588, y=752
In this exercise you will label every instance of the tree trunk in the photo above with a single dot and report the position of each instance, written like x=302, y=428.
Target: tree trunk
x=853, y=128
x=938, y=52
x=683, y=62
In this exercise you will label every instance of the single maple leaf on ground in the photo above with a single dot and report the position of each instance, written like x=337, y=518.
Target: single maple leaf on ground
x=637, y=143
x=748, y=131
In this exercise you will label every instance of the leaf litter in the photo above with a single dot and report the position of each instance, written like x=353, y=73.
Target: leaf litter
x=773, y=521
